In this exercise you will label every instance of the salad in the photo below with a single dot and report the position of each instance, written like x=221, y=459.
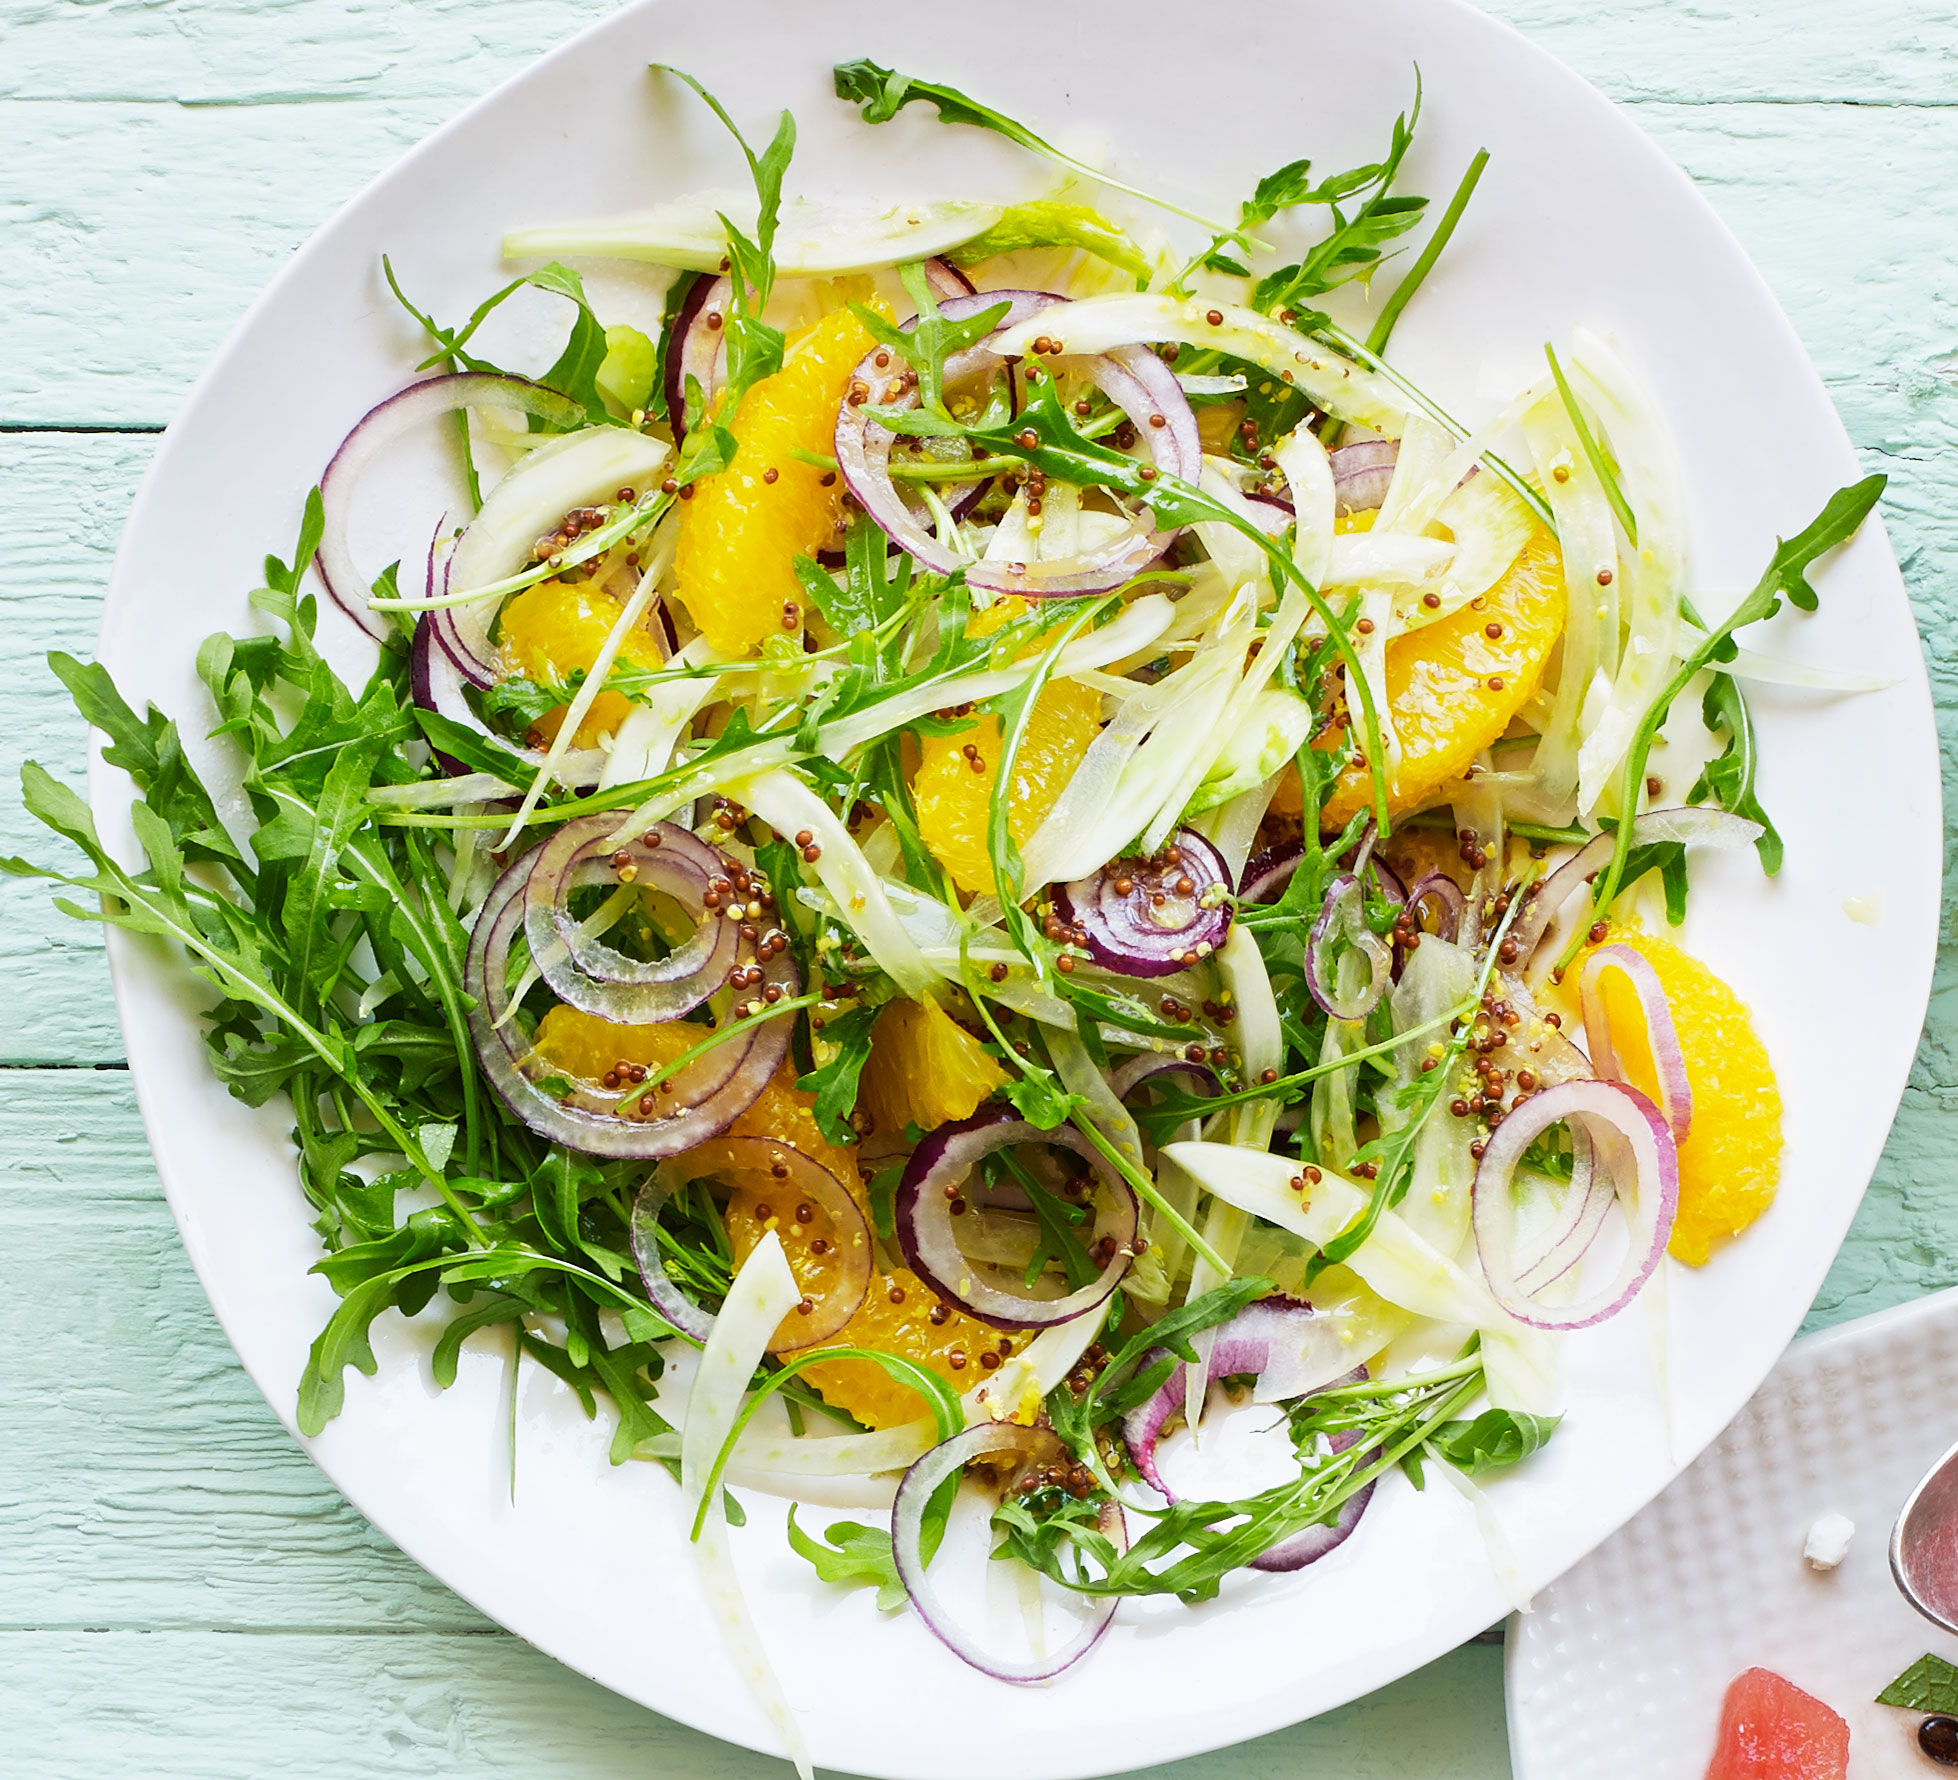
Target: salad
x=994, y=845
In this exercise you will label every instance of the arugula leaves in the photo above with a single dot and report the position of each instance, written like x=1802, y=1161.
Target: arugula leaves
x=1729, y=777
x=882, y=93
x=854, y=1555
x=834, y=1083
x=754, y=347
x=337, y=962
x=1786, y=575
x=1495, y=1440
x=1189, y=1547
x=1366, y=215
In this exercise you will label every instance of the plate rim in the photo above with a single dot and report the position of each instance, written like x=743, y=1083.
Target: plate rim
x=120, y=945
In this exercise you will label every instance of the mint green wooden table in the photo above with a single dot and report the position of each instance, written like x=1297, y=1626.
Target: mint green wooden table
x=181, y=1593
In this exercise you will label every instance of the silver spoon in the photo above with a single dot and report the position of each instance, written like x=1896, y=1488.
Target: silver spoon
x=1924, y=1545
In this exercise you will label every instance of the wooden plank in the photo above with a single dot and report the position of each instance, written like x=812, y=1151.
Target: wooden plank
x=191, y=1706
x=288, y=52
x=64, y=497
x=143, y=1481
x=111, y=316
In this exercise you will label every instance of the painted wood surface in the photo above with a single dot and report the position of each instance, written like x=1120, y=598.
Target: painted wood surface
x=181, y=1593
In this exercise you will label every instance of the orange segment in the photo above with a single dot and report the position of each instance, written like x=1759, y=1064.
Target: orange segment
x=897, y=1318
x=954, y=789
x=1730, y=1163
x=1453, y=688
x=742, y=530
x=900, y=1314
x=557, y=628
x=925, y=1069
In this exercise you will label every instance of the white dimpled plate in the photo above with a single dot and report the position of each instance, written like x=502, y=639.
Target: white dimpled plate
x=1619, y=1672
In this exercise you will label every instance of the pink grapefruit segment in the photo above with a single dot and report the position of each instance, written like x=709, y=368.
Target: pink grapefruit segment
x=1771, y=1730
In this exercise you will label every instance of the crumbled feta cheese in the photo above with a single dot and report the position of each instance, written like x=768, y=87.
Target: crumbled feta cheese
x=1828, y=1541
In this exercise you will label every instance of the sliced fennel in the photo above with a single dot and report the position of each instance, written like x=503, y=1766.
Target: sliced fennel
x=811, y=241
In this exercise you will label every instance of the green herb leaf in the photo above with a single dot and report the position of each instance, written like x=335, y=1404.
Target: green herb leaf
x=855, y=1554
x=1729, y=778
x=883, y=92
x=1787, y=573
x=1929, y=1685
x=1493, y=1441
x=834, y=1083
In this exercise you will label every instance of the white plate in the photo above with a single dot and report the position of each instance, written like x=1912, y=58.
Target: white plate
x=1620, y=1671
x=1579, y=220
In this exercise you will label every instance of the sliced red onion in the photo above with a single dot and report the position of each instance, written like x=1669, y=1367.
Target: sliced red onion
x=705, y=1097
x=1154, y=927
x=1291, y=1351
x=1146, y=390
x=597, y=978
x=1273, y=513
x=934, y=1186
x=1635, y=1159
x=1693, y=824
x=379, y=427
x=1587, y=1203
x=863, y=445
x=1125, y=1078
x=785, y=1170
x=423, y=655
x=1668, y=1060
x=1343, y=917
x=1449, y=899
x=989, y=1441
x=436, y=684
x=1363, y=473
x=696, y=347
x=1270, y=871
x=1132, y=377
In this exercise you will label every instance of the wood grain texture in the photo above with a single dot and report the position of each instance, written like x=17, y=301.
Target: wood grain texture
x=210, y=1706
x=181, y=1593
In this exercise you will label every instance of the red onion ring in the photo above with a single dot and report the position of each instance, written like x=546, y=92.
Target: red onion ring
x=1363, y=473
x=1132, y=377
x=1690, y=823
x=1668, y=1060
x=1146, y=390
x=696, y=338
x=1449, y=898
x=1125, y=1078
x=423, y=654
x=379, y=427
x=435, y=682
x=863, y=445
x=1270, y=871
x=921, y=1482
x=1587, y=1204
x=934, y=1180
x=1343, y=916
x=1636, y=1161
x=706, y=1096
x=755, y=1158
x=598, y=979
x=1278, y=1341
x=1130, y=930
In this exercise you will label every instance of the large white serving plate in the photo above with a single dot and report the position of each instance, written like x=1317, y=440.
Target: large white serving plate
x=1579, y=220
x=1619, y=1672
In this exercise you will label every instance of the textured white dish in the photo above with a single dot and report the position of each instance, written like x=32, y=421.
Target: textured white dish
x=1579, y=220
x=1619, y=1672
